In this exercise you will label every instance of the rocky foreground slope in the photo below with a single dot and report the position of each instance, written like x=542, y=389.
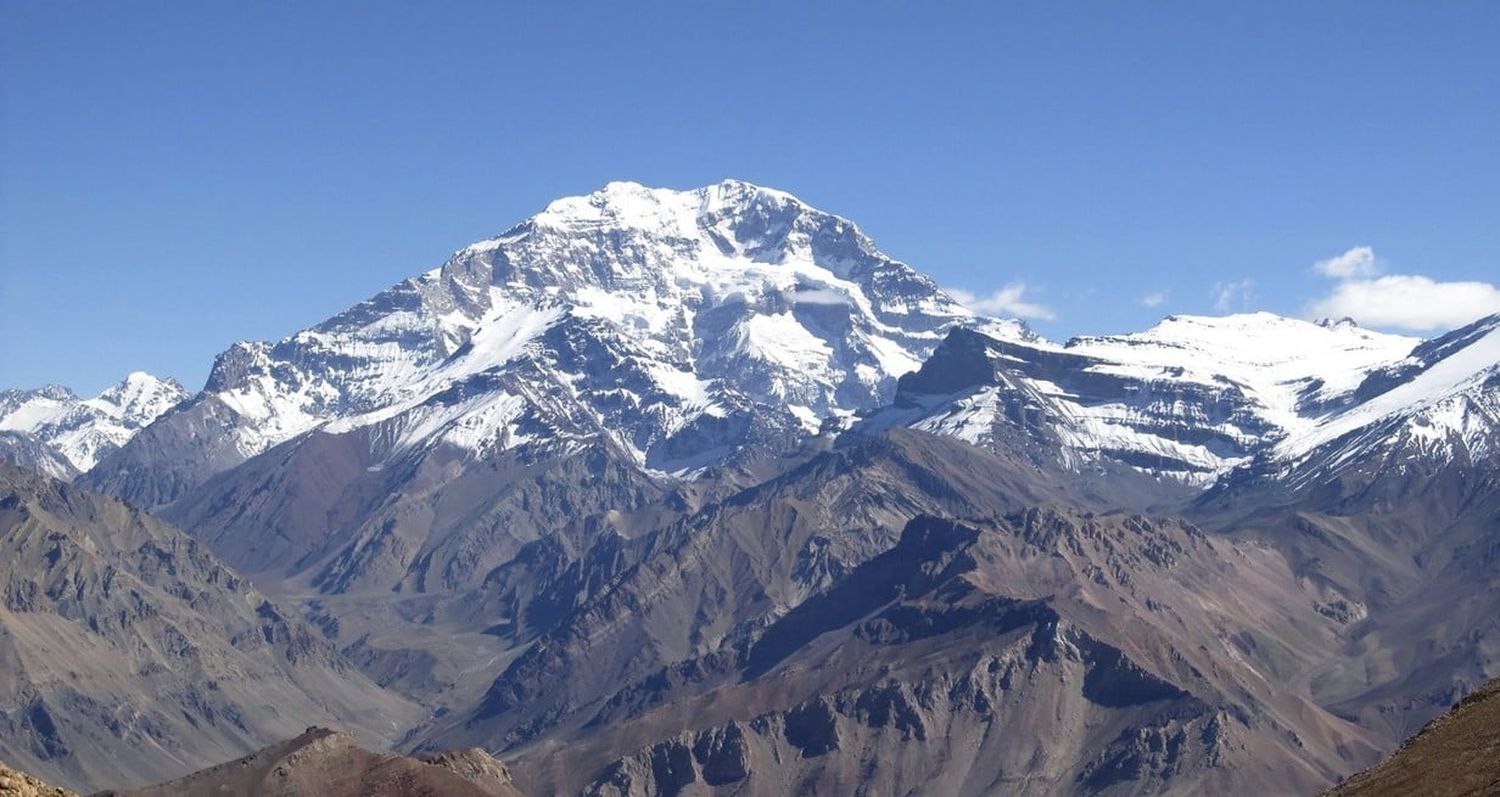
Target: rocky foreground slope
x=325, y=763
x=19, y=784
x=828, y=626
x=1455, y=755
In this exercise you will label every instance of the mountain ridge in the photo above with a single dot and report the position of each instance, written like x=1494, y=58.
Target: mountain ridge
x=128, y=652
x=73, y=434
x=657, y=488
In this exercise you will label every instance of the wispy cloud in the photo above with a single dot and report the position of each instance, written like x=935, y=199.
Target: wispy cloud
x=1009, y=302
x=819, y=296
x=1235, y=295
x=1403, y=301
x=1155, y=298
x=1357, y=262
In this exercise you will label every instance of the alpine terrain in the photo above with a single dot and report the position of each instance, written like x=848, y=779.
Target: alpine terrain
x=54, y=431
x=667, y=492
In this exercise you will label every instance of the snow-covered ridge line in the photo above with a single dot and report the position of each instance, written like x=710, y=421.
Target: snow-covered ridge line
x=1446, y=393
x=685, y=326
x=79, y=431
x=1192, y=398
x=670, y=322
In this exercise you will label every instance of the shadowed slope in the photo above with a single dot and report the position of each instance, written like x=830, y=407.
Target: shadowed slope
x=128, y=653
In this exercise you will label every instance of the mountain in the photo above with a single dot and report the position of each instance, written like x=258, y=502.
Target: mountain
x=828, y=629
x=585, y=361
x=1372, y=467
x=1190, y=399
x=1390, y=508
x=1455, y=755
x=1214, y=401
x=324, y=763
x=128, y=653
x=1437, y=407
x=55, y=431
x=698, y=492
x=681, y=325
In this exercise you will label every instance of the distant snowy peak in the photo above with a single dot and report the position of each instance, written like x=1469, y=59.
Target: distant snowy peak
x=139, y=399
x=680, y=324
x=1188, y=399
x=80, y=431
x=1292, y=370
x=1440, y=404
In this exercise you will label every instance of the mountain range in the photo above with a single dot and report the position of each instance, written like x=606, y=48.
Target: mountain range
x=664, y=492
x=52, y=430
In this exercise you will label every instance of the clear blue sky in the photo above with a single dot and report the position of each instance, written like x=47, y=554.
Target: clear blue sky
x=178, y=175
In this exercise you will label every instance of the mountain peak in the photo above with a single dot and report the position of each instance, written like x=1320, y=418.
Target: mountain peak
x=80, y=431
x=678, y=323
x=630, y=205
x=139, y=398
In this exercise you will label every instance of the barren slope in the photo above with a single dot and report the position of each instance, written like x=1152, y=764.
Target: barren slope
x=1455, y=755
x=323, y=763
x=128, y=653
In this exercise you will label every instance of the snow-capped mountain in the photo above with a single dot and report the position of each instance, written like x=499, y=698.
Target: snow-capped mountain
x=678, y=324
x=1438, y=407
x=1195, y=398
x=69, y=434
x=683, y=325
x=571, y=465
x=1191, y=398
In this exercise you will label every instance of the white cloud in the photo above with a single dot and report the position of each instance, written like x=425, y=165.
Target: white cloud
x=1237, y=295
x=1404, y=301
x=1357, y=262
x=1155, y=299
x=1010, y=302
x=819, y=296
x=1408, y=301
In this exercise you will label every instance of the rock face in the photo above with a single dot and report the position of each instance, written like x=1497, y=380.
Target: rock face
x=323, y=763
x=56, y=432
x=20, y=784
x=24, y=451
x=1455, y=755
x=128, y=653
x=820, y=632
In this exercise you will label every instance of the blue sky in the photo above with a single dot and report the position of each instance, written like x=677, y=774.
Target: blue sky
x=178, y=175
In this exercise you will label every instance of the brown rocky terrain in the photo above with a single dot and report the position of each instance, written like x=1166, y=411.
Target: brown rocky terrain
x=129, y=653
x=1455, y=755
x=818, y=632
x=325, y=763
x=20, y=784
